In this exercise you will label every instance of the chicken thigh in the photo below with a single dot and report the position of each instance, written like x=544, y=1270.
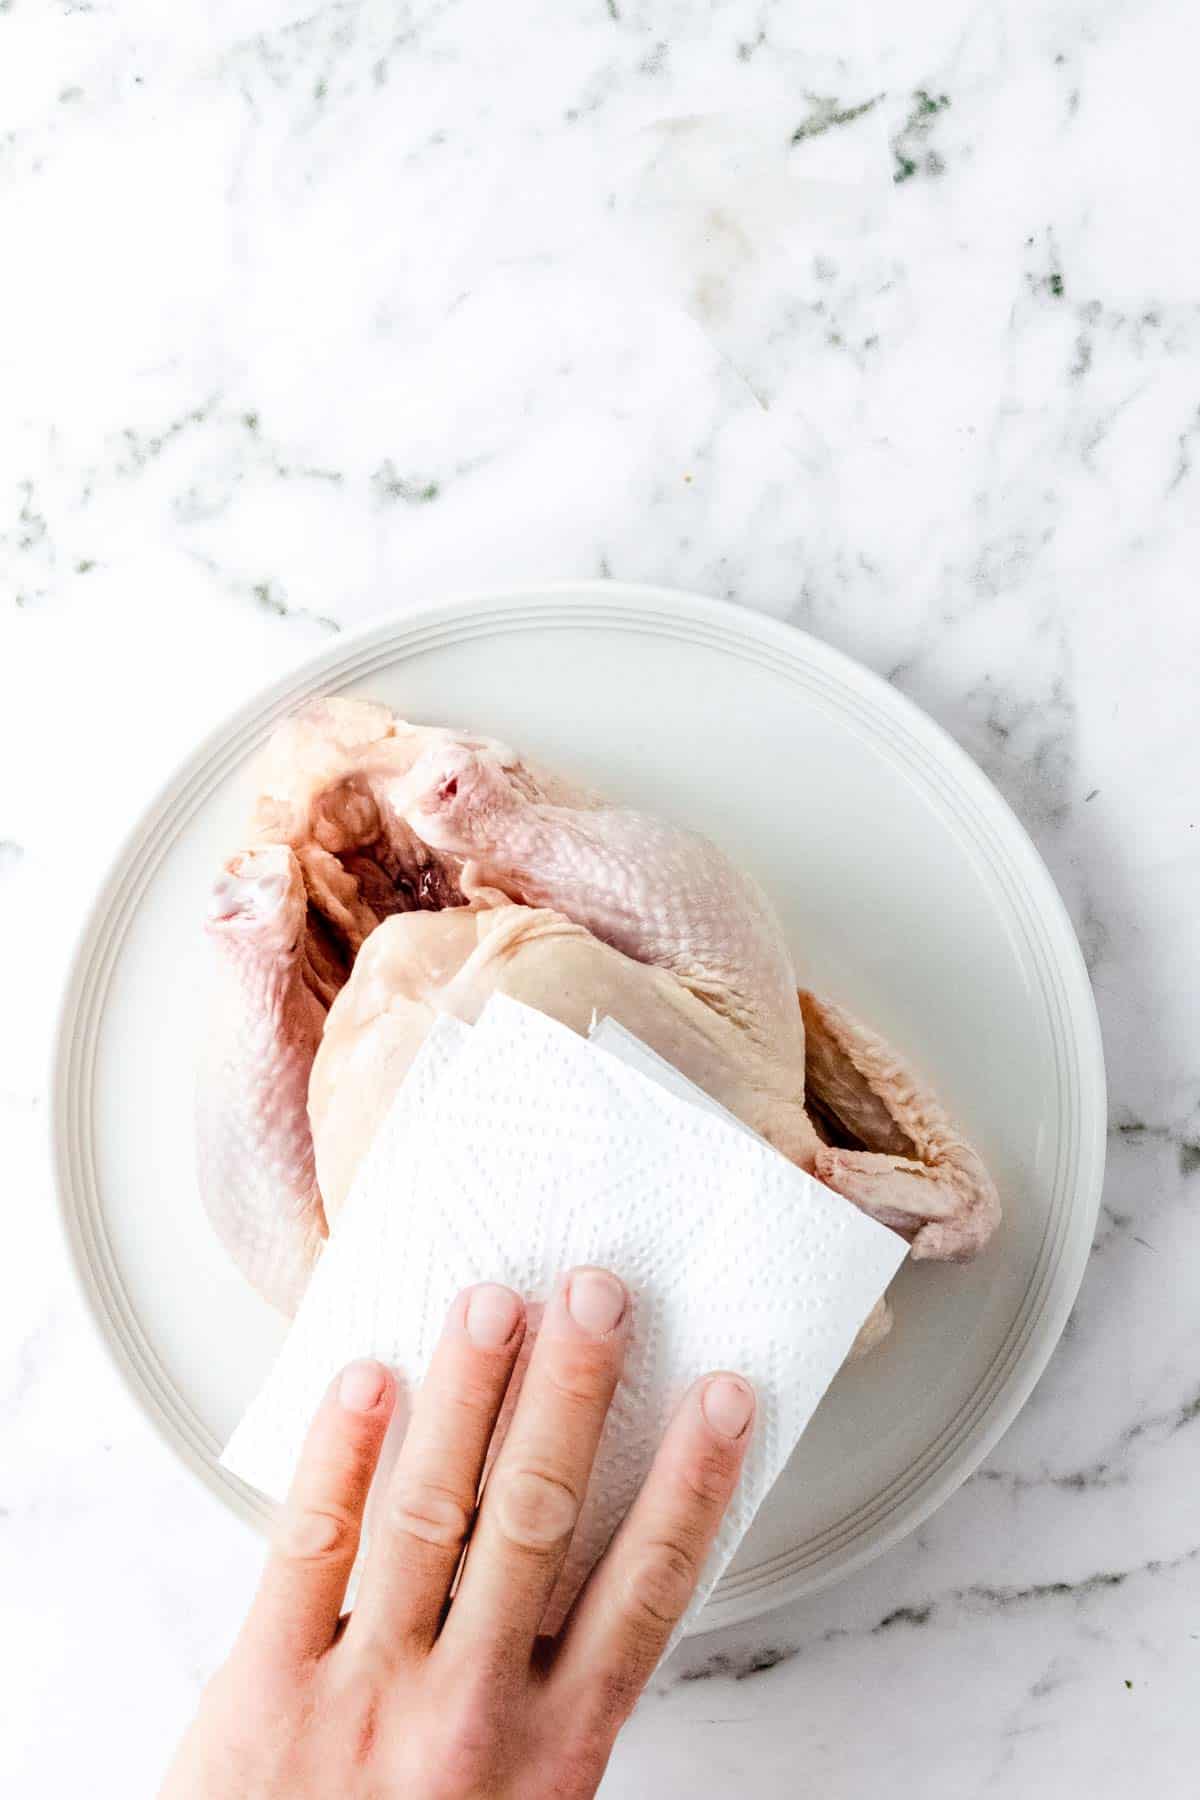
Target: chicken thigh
x=396, y=871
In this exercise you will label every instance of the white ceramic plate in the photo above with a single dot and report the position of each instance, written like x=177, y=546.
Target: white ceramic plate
x=908, y=889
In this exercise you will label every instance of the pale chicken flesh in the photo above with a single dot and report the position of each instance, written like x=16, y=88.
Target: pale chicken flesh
x=394, y=871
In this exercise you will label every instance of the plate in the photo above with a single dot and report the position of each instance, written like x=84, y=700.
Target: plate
x=909, y=892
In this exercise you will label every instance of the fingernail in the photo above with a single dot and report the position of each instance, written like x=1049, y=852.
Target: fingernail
x=492, y=1315
x=728, y=1405
x=596, y=1301
x=362, y=1386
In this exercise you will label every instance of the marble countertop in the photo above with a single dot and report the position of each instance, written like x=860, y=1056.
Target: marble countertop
x=887, y=324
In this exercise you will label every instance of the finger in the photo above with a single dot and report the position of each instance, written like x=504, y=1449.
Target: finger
x=316, y=1535
x=537, y=1484
x=640, y=1589
x=428, y=1506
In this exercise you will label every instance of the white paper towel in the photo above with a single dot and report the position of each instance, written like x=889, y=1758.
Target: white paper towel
x=516, y=1150
x=611, y=1036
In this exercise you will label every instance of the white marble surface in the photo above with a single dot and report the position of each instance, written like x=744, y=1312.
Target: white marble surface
x=311, y=310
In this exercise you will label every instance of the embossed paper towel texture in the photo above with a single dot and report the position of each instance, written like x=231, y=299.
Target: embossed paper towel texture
x=516, y=1150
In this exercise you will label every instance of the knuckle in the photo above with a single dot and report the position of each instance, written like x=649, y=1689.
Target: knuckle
x=471, y=1726
x=582, y=1376
x=465, y=1766
x=472, y=1397
x=705, y=1480
x=316, y=1533
x=579, y=1763
x=359, y=1695
x=435, y=1515
x=536, y=1510
x=661, y=1584
x=601, y=1706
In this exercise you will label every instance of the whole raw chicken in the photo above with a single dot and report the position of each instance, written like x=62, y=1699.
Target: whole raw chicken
x=396, y=871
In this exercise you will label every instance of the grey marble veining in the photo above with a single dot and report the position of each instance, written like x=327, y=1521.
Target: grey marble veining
x=886, y=323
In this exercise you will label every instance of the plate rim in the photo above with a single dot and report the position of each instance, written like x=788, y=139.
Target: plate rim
x=1059, y=1270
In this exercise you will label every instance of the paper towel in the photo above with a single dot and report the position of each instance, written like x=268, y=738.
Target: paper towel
x=609, y=1035
x=516, y=1150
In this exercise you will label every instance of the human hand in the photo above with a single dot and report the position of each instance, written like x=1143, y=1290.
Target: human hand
x=421, y=1696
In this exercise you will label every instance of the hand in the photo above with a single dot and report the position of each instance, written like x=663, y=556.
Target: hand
x=419, y=1695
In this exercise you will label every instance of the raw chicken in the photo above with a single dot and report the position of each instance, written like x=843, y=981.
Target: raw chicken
x=257, y=1172
x=425, y=963
x=397, y=871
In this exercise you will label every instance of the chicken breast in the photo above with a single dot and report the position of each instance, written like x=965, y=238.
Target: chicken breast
x=420, y=964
